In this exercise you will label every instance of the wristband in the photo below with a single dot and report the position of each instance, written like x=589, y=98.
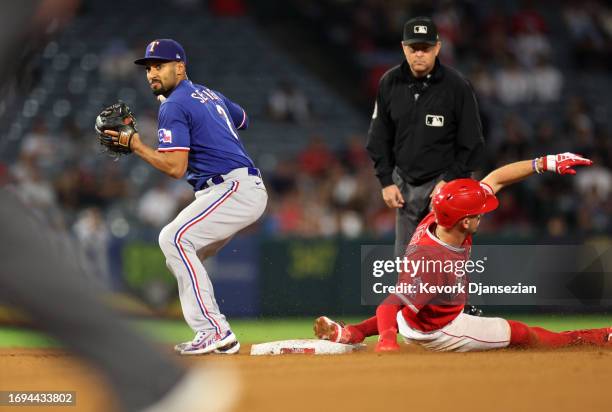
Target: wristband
x=549, y=163
x=534, y=166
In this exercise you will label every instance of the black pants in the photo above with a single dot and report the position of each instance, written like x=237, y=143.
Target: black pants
x=38, y=276
x=416, y=207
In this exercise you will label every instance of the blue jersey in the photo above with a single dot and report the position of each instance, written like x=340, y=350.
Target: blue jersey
x=197, y=119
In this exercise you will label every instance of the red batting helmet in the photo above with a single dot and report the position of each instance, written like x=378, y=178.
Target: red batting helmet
x=460, y=198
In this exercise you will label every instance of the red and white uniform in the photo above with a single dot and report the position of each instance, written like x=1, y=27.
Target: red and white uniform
x=438, y=322
x=423, y=311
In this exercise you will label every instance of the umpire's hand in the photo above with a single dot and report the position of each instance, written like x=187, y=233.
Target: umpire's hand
x=393, y=197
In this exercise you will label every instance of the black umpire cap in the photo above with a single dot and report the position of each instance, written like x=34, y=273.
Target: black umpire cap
x=420, y=30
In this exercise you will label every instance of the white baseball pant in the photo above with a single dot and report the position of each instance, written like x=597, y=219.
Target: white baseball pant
x=199, y=231
x=466, y=333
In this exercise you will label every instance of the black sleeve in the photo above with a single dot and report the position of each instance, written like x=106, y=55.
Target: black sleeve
x=469, y=145
x=381, y=136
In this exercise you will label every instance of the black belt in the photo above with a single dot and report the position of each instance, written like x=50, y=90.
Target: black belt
x=218, y=179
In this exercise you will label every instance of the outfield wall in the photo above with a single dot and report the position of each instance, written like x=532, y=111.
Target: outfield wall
x=292, y=277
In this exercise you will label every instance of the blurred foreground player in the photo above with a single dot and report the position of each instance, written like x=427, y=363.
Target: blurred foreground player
x=36, y=277
x=441, y=325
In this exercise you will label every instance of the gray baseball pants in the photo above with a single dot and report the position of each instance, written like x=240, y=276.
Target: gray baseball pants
x=416, y=207
x=199, y=230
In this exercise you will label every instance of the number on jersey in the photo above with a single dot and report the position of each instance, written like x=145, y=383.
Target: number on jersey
x=223, y=114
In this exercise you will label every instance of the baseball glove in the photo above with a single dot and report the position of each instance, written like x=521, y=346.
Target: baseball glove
x=117, y=118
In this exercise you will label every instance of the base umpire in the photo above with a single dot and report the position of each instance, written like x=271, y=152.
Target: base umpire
x=425, y=129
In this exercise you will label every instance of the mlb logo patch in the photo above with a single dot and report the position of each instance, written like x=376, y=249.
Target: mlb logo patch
x=420, y=29
x=434, y=120
x=165, y=136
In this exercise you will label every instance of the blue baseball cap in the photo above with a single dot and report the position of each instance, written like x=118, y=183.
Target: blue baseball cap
x=163, y=49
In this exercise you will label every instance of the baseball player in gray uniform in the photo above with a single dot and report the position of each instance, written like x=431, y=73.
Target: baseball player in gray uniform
x=198, y=139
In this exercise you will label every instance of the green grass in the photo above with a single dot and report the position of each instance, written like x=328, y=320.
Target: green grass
x=262, y=330
x=247, y=330
x=24, y=338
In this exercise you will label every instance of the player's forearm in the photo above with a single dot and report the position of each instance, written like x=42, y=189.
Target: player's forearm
x=511, y=173
x=160, y=161
x=562, y=163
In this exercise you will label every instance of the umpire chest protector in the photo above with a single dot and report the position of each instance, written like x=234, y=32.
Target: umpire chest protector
x=421, y=125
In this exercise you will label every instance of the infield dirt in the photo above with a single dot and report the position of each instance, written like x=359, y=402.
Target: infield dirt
x=576, y=379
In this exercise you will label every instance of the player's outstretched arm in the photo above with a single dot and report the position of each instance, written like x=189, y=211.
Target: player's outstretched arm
x=562, y=164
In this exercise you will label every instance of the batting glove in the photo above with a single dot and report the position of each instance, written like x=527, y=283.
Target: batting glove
x=562, y=163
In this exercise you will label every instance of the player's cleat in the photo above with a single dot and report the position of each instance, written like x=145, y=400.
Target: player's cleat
x=387, y=342
x=597, y=337
x=207, y=342
x=231, y=349
x=600, y=337
x=327, y=329
x=387, y=346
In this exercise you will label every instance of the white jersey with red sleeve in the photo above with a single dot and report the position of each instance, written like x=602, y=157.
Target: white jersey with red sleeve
x=427, y=311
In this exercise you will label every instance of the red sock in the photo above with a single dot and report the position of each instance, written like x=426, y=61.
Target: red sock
x=364, y=329
x=526, y=336
x=386, y=314
x=385, y=319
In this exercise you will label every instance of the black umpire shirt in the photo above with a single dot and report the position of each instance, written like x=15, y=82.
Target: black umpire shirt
x=425, y=127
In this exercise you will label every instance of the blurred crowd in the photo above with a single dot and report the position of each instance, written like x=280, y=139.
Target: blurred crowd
x=327, y=191
x=509, y=43
x=322, y=191
x=527, y=61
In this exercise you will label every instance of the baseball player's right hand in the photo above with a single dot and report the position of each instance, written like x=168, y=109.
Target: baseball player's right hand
x=393, y=197
x=563, y=163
